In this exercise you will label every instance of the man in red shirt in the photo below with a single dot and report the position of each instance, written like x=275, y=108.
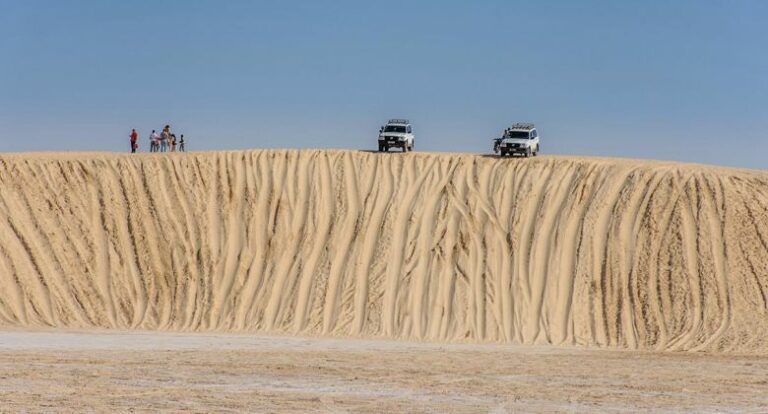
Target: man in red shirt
x=134, y=141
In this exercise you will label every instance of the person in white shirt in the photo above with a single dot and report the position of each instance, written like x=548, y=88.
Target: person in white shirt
x=154, y=142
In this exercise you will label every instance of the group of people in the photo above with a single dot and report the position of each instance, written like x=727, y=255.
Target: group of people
x=163, y=142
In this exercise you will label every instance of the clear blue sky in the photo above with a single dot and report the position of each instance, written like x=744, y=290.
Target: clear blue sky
x=683, y=80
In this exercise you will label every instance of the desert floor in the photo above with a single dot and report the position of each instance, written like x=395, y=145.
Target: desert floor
x=148, y=371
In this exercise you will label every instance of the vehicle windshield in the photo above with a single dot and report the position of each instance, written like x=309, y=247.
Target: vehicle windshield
x=395, y=128
x=517, y=134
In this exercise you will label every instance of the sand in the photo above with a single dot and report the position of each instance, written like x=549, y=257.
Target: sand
x=349, y=281
x=150, y=371
x=593, y=252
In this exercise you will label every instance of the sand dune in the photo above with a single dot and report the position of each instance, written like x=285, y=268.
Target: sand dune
x=447, y=247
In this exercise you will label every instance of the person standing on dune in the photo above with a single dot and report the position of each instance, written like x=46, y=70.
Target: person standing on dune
x=134, y=141
x=165, y=137
x=181, y=143
x=154, y=141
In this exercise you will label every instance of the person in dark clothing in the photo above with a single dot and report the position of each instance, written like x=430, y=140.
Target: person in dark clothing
x=181, y=143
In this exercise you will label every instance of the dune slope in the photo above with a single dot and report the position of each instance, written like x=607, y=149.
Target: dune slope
x=553, y=250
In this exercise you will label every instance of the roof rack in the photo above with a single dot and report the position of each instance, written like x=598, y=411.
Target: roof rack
x=398, y=121
x=522, y=125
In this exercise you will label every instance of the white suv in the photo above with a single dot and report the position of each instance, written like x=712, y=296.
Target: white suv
x=397, y=133
x=520, y=138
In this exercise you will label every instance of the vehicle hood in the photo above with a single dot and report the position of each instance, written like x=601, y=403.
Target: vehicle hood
x=516, y=141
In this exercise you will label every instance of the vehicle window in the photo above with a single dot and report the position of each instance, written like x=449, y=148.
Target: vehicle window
x=517, y=134
x=534, y=134
x=395, y=128
x=409, y=130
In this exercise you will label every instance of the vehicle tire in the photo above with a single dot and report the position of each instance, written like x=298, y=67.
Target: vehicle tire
x=381, y=148
x=528, y=152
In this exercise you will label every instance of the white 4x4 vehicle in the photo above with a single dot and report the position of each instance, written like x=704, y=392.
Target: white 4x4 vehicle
x=520, y=138
x=397, y=133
